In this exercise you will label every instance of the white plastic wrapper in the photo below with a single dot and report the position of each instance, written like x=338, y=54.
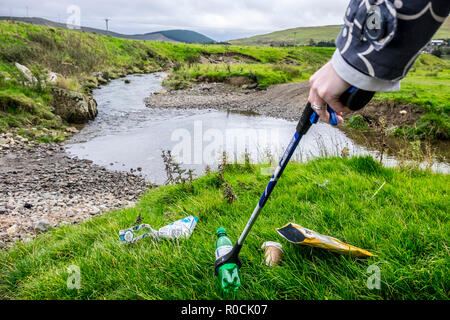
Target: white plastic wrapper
x=182, y=228
x=179, y=229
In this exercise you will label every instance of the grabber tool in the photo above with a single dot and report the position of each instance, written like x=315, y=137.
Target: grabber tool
x=354, y=99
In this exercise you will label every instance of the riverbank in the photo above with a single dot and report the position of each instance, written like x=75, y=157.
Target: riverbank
x=285, y=101
x=401, y=216
x=41, y=187
x=380, y=119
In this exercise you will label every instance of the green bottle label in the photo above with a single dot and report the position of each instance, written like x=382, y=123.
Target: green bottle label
x=223, y=250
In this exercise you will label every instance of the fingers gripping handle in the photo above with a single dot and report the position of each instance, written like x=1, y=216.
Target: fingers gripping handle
x=353, y=98
x=333, y=117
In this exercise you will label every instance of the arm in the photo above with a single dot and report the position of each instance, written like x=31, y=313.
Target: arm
x=378, y=44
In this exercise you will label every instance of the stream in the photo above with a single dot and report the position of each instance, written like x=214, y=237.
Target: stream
x=128, y=136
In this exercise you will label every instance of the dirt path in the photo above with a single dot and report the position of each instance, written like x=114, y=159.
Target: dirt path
x=284, y=101
x=41, y=187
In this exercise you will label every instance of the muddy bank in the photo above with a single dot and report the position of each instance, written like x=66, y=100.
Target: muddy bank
x=393, y=113
x=41, y=187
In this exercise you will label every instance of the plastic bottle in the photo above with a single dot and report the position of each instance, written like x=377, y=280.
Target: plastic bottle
x=229, y=272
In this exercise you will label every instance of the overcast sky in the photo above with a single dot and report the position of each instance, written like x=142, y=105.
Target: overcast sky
x=218, y=19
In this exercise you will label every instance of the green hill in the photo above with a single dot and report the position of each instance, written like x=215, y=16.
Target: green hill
x=184, y=36
x=303, y=35
x=300, y=35
x=444, y=31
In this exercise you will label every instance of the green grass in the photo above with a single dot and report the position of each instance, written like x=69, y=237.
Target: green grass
x=272, y=67
x=299, y=36
x=426, y=85
x=406, y=225
x=444, y=31
x=302, y=35
x=263, y=74
x=76, y=55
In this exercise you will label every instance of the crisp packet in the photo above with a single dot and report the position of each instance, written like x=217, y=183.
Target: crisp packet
x=297, y=234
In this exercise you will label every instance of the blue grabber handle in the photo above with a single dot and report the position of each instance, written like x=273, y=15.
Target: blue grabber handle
x=334, y=121
x=354, y=99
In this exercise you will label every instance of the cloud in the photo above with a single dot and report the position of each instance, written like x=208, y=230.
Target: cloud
x=219, y=19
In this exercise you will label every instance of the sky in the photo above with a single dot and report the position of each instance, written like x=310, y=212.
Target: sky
x=218, y=19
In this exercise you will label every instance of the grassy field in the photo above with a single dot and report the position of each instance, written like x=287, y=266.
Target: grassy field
x=76, y=55
x=406, y=224
x=444, y=31
x=273, y=66
x=426, y=85
x=298, y=36
x=302, y=35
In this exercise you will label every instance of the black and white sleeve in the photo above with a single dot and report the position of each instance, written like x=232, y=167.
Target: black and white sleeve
x=381, y=39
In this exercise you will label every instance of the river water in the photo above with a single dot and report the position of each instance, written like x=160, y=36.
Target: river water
x=126, y=135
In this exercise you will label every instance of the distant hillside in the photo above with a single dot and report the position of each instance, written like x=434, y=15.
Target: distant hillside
x=185, y=36
x=303, y=35
x=297, y=35
x=444, y=31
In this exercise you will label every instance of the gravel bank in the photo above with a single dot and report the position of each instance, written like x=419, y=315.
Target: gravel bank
x=42, y=187
x=284, y=101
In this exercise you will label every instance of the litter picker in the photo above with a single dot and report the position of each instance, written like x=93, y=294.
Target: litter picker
x=354, y=99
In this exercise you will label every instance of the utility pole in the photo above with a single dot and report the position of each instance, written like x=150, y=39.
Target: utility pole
x=107, y=28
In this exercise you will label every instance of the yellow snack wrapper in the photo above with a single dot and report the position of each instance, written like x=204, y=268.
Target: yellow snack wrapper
x=297, y=234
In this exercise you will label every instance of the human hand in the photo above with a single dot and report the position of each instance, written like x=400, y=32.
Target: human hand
x=326, y=88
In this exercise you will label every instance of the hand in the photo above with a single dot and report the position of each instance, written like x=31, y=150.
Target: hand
x=326, y=88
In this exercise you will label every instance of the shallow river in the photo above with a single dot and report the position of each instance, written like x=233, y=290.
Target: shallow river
x=126, y=135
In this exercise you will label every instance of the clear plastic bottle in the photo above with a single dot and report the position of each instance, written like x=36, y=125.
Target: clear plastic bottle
x=229, y=272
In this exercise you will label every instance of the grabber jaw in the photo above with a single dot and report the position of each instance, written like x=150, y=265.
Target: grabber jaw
x=230, y=257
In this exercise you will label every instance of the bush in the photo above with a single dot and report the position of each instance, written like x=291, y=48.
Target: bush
x=357, y=122
x=436, y=125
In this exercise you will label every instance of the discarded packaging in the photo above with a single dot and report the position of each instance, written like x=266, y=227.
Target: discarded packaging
x=128, y=235
x=182, y=228
x=228, y=274
x=299, y=235
x=273, y=251
x=179, y=229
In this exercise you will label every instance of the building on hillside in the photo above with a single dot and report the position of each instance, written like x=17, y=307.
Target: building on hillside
x=434, y=44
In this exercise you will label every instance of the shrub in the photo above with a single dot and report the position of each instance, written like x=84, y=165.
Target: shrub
x=357, y=122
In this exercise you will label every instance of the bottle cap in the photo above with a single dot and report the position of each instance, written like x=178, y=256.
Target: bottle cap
x=221, y=231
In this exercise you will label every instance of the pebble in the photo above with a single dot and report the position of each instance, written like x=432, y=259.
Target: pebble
x=11, y=231
x=28, y=205
x=43, y=225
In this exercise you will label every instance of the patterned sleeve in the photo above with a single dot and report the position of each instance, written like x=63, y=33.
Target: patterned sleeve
x=381, y=39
